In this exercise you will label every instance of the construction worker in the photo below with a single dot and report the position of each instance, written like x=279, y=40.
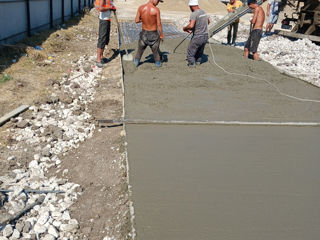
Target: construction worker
x=256, y=32
x=272, y=14
x=151, y=33
x=105, y=7
x=198, y=24
x=231, y=8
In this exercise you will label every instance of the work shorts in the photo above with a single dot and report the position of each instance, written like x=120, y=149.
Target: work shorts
x=254, y=40
x=273, y=18
x=104, y=33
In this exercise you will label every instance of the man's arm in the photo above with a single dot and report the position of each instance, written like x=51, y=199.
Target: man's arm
x=255, y=16
x=190, y=26
x=159, y=24
x=138, y=16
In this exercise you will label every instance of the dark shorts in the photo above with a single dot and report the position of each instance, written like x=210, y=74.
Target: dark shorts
x=254, y=40
x=151, y=39
x=104, y=33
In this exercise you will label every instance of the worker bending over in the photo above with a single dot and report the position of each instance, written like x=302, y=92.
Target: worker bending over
x=151, y=32
x=199, y=26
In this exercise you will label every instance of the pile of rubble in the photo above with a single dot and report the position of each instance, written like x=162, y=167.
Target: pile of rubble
x=54, y=127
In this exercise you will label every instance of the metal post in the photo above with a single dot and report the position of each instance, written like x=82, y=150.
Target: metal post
x=79, y=6
x=28, y=18
x=71, y=8
x=62, y=10
x=85, y=3
x=51, y=14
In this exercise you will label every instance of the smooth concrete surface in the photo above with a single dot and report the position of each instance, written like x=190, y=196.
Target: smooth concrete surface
x=225, y=183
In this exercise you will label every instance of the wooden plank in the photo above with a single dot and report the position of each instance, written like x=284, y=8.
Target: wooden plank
x=297, y=35
x=12, y=114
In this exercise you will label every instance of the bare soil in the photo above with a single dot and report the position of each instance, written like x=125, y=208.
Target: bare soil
x=99, y=164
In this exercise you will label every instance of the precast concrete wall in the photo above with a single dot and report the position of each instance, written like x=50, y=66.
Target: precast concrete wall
x=20, y=18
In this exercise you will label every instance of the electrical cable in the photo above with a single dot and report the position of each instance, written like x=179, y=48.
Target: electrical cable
x=262, y=79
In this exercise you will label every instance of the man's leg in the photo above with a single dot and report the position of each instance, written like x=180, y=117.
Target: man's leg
x=191, y=52
x=200, y=50
x=247, y=47
x=229, y=33
x=255, y=56
x=235, y=32
x=141, y=47
x=156, y=52
x=103, y=40
x=255, y=36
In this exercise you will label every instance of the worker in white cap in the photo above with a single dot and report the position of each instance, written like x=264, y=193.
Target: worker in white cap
x=199, y=26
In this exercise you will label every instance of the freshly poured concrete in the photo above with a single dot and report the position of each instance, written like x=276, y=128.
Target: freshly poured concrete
x=208, y=93
x=215, y=182
x=225, y=183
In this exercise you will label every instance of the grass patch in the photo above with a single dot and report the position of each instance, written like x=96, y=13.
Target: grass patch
x=5, y=78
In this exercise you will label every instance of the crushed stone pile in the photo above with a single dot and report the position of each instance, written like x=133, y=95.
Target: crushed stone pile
x=54, y=127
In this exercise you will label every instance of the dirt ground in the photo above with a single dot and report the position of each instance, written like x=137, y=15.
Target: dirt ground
x=99, y=164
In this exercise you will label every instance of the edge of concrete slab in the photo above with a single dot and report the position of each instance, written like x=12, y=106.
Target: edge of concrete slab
x=133, y=231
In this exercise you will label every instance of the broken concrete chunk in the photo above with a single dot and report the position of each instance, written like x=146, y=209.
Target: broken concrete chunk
x=7, y=231
x=22, y=124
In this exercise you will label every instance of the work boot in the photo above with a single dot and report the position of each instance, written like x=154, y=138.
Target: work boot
x=136, y=62
x=158, y=64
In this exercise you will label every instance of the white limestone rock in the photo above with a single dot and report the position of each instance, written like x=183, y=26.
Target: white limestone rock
x=7, y=231
x=53, y=231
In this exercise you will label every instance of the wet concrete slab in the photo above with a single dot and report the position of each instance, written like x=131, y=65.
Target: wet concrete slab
x=176, y=92
x=221, y=182
x=226, y=183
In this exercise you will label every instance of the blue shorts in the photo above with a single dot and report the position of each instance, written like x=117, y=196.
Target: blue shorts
x=273, y=18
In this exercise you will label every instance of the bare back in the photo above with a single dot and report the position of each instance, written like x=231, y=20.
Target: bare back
x=258, y=18
x=149, y=15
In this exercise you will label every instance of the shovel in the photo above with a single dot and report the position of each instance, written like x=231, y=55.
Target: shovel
x=127, y=56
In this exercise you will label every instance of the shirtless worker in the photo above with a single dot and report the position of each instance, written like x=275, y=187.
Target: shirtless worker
x=151, y=33
x=198, y=24
x=256, y=33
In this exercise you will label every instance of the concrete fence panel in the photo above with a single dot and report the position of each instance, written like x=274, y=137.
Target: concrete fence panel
x=20, y=18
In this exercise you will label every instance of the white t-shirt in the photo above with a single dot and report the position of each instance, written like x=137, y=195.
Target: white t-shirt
x=107, y=14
